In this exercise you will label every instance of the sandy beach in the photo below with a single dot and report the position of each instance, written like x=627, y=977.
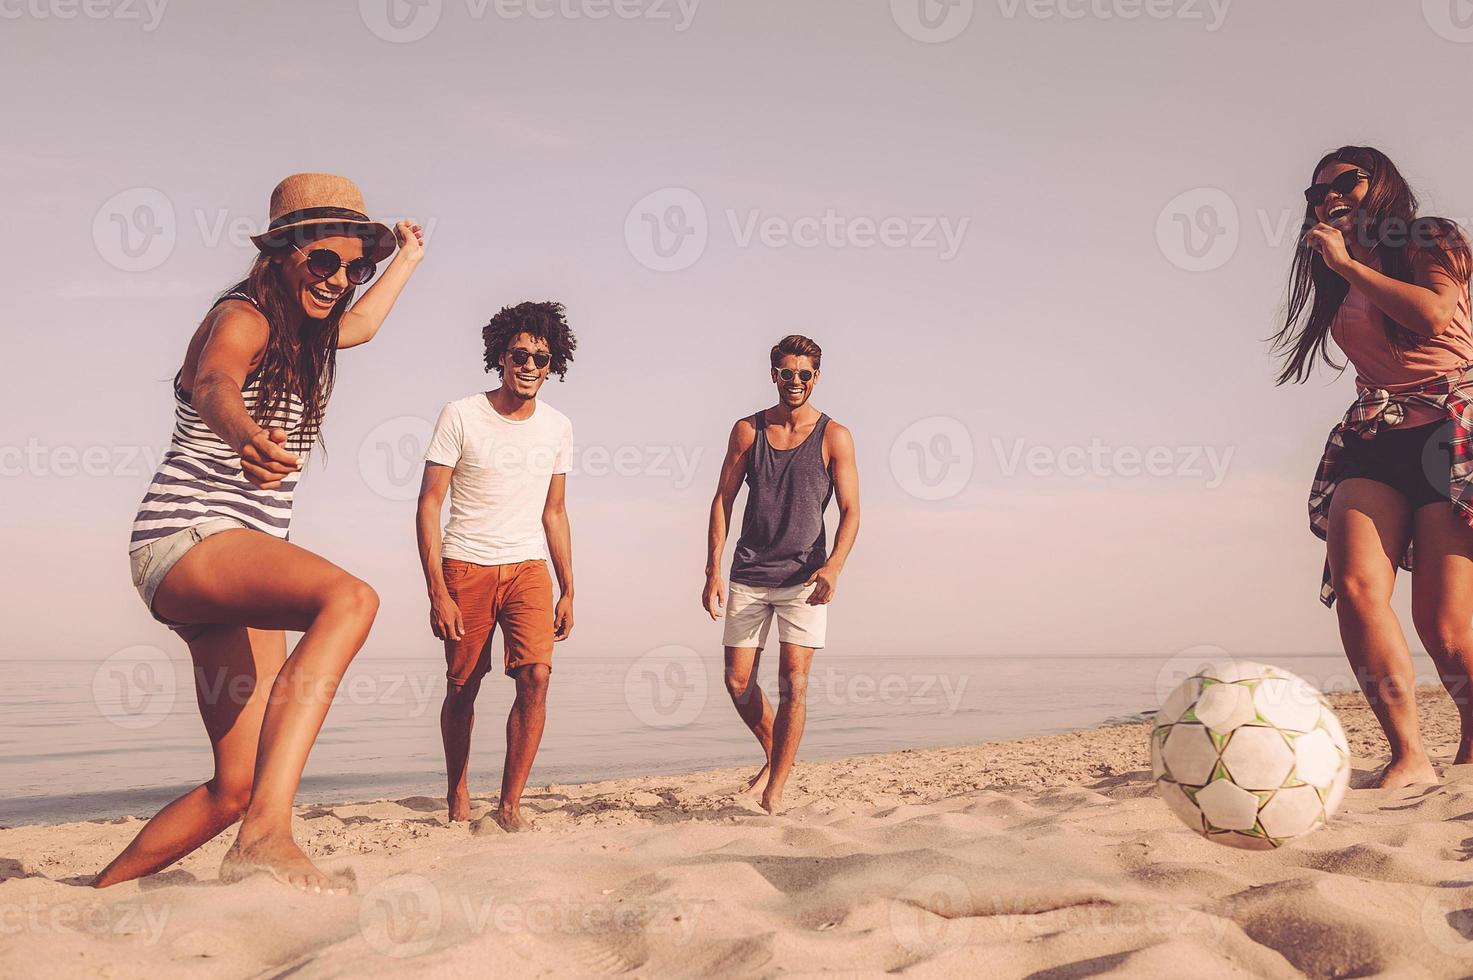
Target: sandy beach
x=1044, y=857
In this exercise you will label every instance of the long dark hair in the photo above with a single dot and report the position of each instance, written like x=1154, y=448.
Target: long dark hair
x=301, y=362
x=1387, y=224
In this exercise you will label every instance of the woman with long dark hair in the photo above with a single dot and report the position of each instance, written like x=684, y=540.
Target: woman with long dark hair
x=1391, y=289
x=209, y=550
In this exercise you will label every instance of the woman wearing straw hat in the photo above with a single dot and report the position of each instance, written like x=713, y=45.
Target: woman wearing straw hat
x=209, y=549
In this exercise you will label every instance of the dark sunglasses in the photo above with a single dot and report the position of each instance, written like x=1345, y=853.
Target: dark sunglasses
x=787, y=374
x=1315, y=194
x=324, y=263
x=540, y=358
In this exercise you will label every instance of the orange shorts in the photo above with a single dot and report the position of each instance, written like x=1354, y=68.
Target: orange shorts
x=518, y=597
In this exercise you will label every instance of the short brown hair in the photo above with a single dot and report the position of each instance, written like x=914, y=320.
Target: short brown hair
x=796, y=345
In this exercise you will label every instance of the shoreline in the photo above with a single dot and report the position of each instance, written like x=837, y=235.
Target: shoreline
x=1028, y=855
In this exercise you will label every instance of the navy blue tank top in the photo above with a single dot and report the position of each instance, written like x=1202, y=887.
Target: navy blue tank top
x=783, y=540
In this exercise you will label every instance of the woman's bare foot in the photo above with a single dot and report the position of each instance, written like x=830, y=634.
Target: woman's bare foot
x=1406, y=771
x=460, y=805
x=756, y=780
x=279, y=856
x=511, y=821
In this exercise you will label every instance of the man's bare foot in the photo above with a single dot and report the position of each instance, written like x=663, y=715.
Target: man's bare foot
x=756, y=780
x=1465, y=753
x=460, y=805
x=1408, y=771
x=772, y=802
x=513, y=822
x=279, y=856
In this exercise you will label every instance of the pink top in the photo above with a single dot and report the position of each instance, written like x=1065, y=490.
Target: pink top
x=1360, y=331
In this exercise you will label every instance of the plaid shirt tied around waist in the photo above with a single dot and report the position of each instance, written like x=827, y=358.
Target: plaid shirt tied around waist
x=1376, y=408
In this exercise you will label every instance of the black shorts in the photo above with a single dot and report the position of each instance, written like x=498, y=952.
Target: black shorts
x=1416, y=462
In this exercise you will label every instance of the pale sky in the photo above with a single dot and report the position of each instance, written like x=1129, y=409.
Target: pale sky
x=985, y=234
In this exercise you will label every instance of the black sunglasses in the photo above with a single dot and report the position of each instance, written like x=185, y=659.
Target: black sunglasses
x=1344, y=183
x=787, y=374
x=324, y=263
x=540, y=358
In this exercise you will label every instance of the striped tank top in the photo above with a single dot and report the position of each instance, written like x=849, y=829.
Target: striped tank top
x=200, y=477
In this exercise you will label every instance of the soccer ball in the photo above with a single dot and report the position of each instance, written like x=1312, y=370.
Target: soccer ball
x=1249, y=755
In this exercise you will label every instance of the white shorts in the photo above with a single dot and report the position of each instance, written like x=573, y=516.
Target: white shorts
x=751, y=608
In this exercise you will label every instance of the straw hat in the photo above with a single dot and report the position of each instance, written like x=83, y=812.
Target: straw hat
x=312, y=200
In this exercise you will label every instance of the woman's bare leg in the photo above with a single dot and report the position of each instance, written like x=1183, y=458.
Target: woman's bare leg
x=1370, y=524
x=234, y=669
x=247, y=578
x=1442, y=607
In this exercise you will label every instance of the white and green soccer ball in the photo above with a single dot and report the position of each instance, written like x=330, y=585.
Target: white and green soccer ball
x=1249, y=755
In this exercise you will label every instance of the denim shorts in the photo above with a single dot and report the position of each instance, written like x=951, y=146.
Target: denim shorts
x=152, y=561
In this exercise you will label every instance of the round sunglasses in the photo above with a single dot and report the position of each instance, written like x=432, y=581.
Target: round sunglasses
x=540, y=358
x=1344, y=183
x=324, y=263
x=787, y=374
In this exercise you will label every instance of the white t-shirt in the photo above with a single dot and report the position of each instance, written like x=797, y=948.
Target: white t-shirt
x=502, y=470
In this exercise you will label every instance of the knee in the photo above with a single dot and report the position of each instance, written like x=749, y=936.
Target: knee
x=532, y=682
x=229, y=797
x=1443, y=638
x=1364, y=594
x=356, y=598
x=460, y=699
x=739, y=684
x=794, y=686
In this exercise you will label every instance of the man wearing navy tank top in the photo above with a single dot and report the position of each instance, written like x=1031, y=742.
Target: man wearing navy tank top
x=794, y=460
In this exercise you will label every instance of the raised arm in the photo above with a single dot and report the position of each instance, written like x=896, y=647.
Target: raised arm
x=237, y=338
x=728, y=485
x=560, y=546
x=840, y=443
x=362, y=320
x=445, y=619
